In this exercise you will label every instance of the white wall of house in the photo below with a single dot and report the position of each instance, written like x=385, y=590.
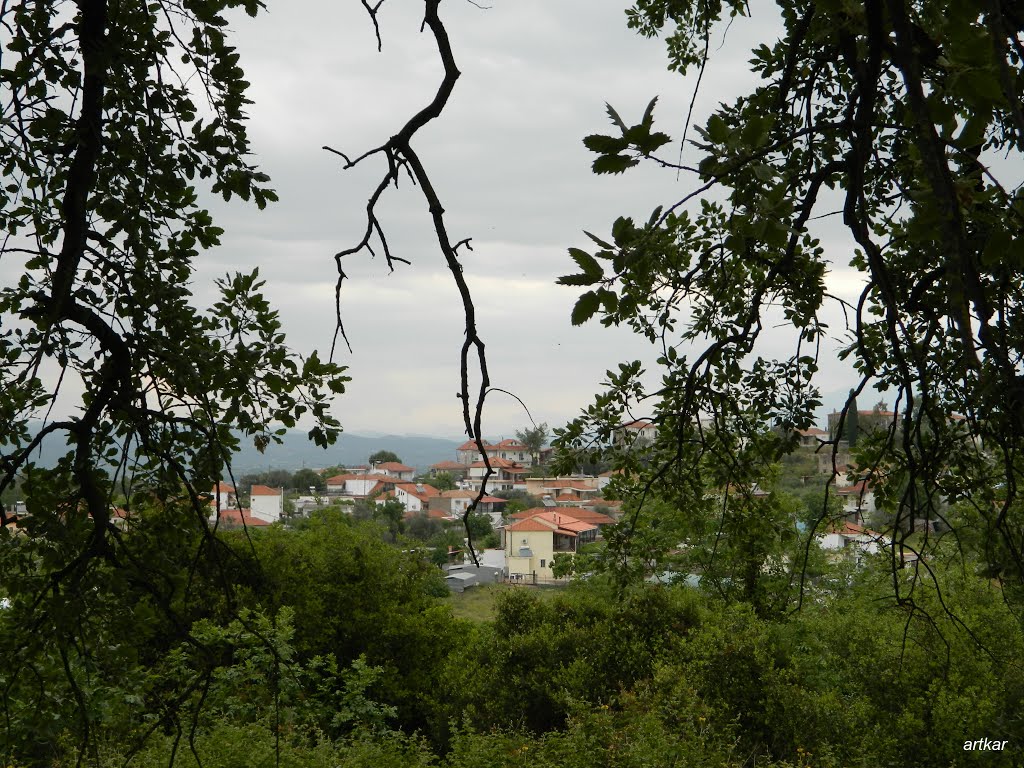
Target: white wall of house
x=269, y=508
x=225, y=499
x=404, y=475
x=468, y=456
x=360, y=486
x=519, y=457
x=410, y=502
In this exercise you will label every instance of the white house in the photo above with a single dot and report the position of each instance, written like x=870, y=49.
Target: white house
x=505, y=476
x=852, y=541
x=531, y=544
x=394, y=469
x=454, y=502
x=415, y=497
x=469, y=452
x=508, y=449
x=858, y=501
x=266, y=503
x=224, y=496
x=511, y=450
x=360, y=486
x=640, y=431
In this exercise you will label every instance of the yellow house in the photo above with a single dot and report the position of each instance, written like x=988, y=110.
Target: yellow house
x=531, y=544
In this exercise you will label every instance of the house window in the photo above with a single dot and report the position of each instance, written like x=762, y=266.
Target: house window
x=541, y=563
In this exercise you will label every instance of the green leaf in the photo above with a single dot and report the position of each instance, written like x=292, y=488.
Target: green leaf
x=578, y=280
x=587, y=263
x=718, y=130
x=605, y=145
x=648, y=118
x=615, y=117
x=586, y=306
x=613, y=163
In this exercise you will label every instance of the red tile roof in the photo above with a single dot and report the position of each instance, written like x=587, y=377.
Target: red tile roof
x=233, y=517
x=499, y=463
x=509, y=444
x=471, y=445
x=443, y=465
x=421, y=492
x=263, y=490
x=530, y=525
x=852, y=529
x=394, y=466
x=638, y=424
x=552, y=521
x=581, y=514
x=592, y=517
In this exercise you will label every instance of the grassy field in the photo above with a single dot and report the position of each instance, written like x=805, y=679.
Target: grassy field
x=477, y=603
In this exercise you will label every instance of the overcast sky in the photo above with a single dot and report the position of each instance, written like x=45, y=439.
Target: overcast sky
x=508, y=162
x=511, y=170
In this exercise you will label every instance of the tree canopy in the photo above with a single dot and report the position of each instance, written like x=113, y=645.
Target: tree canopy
x=116, y=116
x=135, y=632
x=534, y=438
x=903, y=121
x=379, y=457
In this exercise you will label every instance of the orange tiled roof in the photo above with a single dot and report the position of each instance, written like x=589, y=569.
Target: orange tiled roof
x=394, y=466
x=552, y=521
x=638, y=424
x=581, y=514
x=442, y=465
x=530, y=524
x=423, y=492
x=239, y=517
x=509, y=444
x=590, y=516
x=263, y=490
x=499, y=463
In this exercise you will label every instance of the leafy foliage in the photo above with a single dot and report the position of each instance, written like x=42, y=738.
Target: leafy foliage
x=892, y=115
x=115, y=116
x=383, y=456
x=534, y=438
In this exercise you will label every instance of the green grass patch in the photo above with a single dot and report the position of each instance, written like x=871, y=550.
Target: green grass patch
x=477, y=603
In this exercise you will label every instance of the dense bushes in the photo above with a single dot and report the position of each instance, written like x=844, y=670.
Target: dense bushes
x=338, y=652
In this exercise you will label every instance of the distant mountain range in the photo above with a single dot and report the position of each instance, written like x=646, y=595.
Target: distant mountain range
x=296, y=451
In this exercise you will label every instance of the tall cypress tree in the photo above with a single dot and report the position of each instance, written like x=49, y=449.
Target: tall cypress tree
x=852, y=426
